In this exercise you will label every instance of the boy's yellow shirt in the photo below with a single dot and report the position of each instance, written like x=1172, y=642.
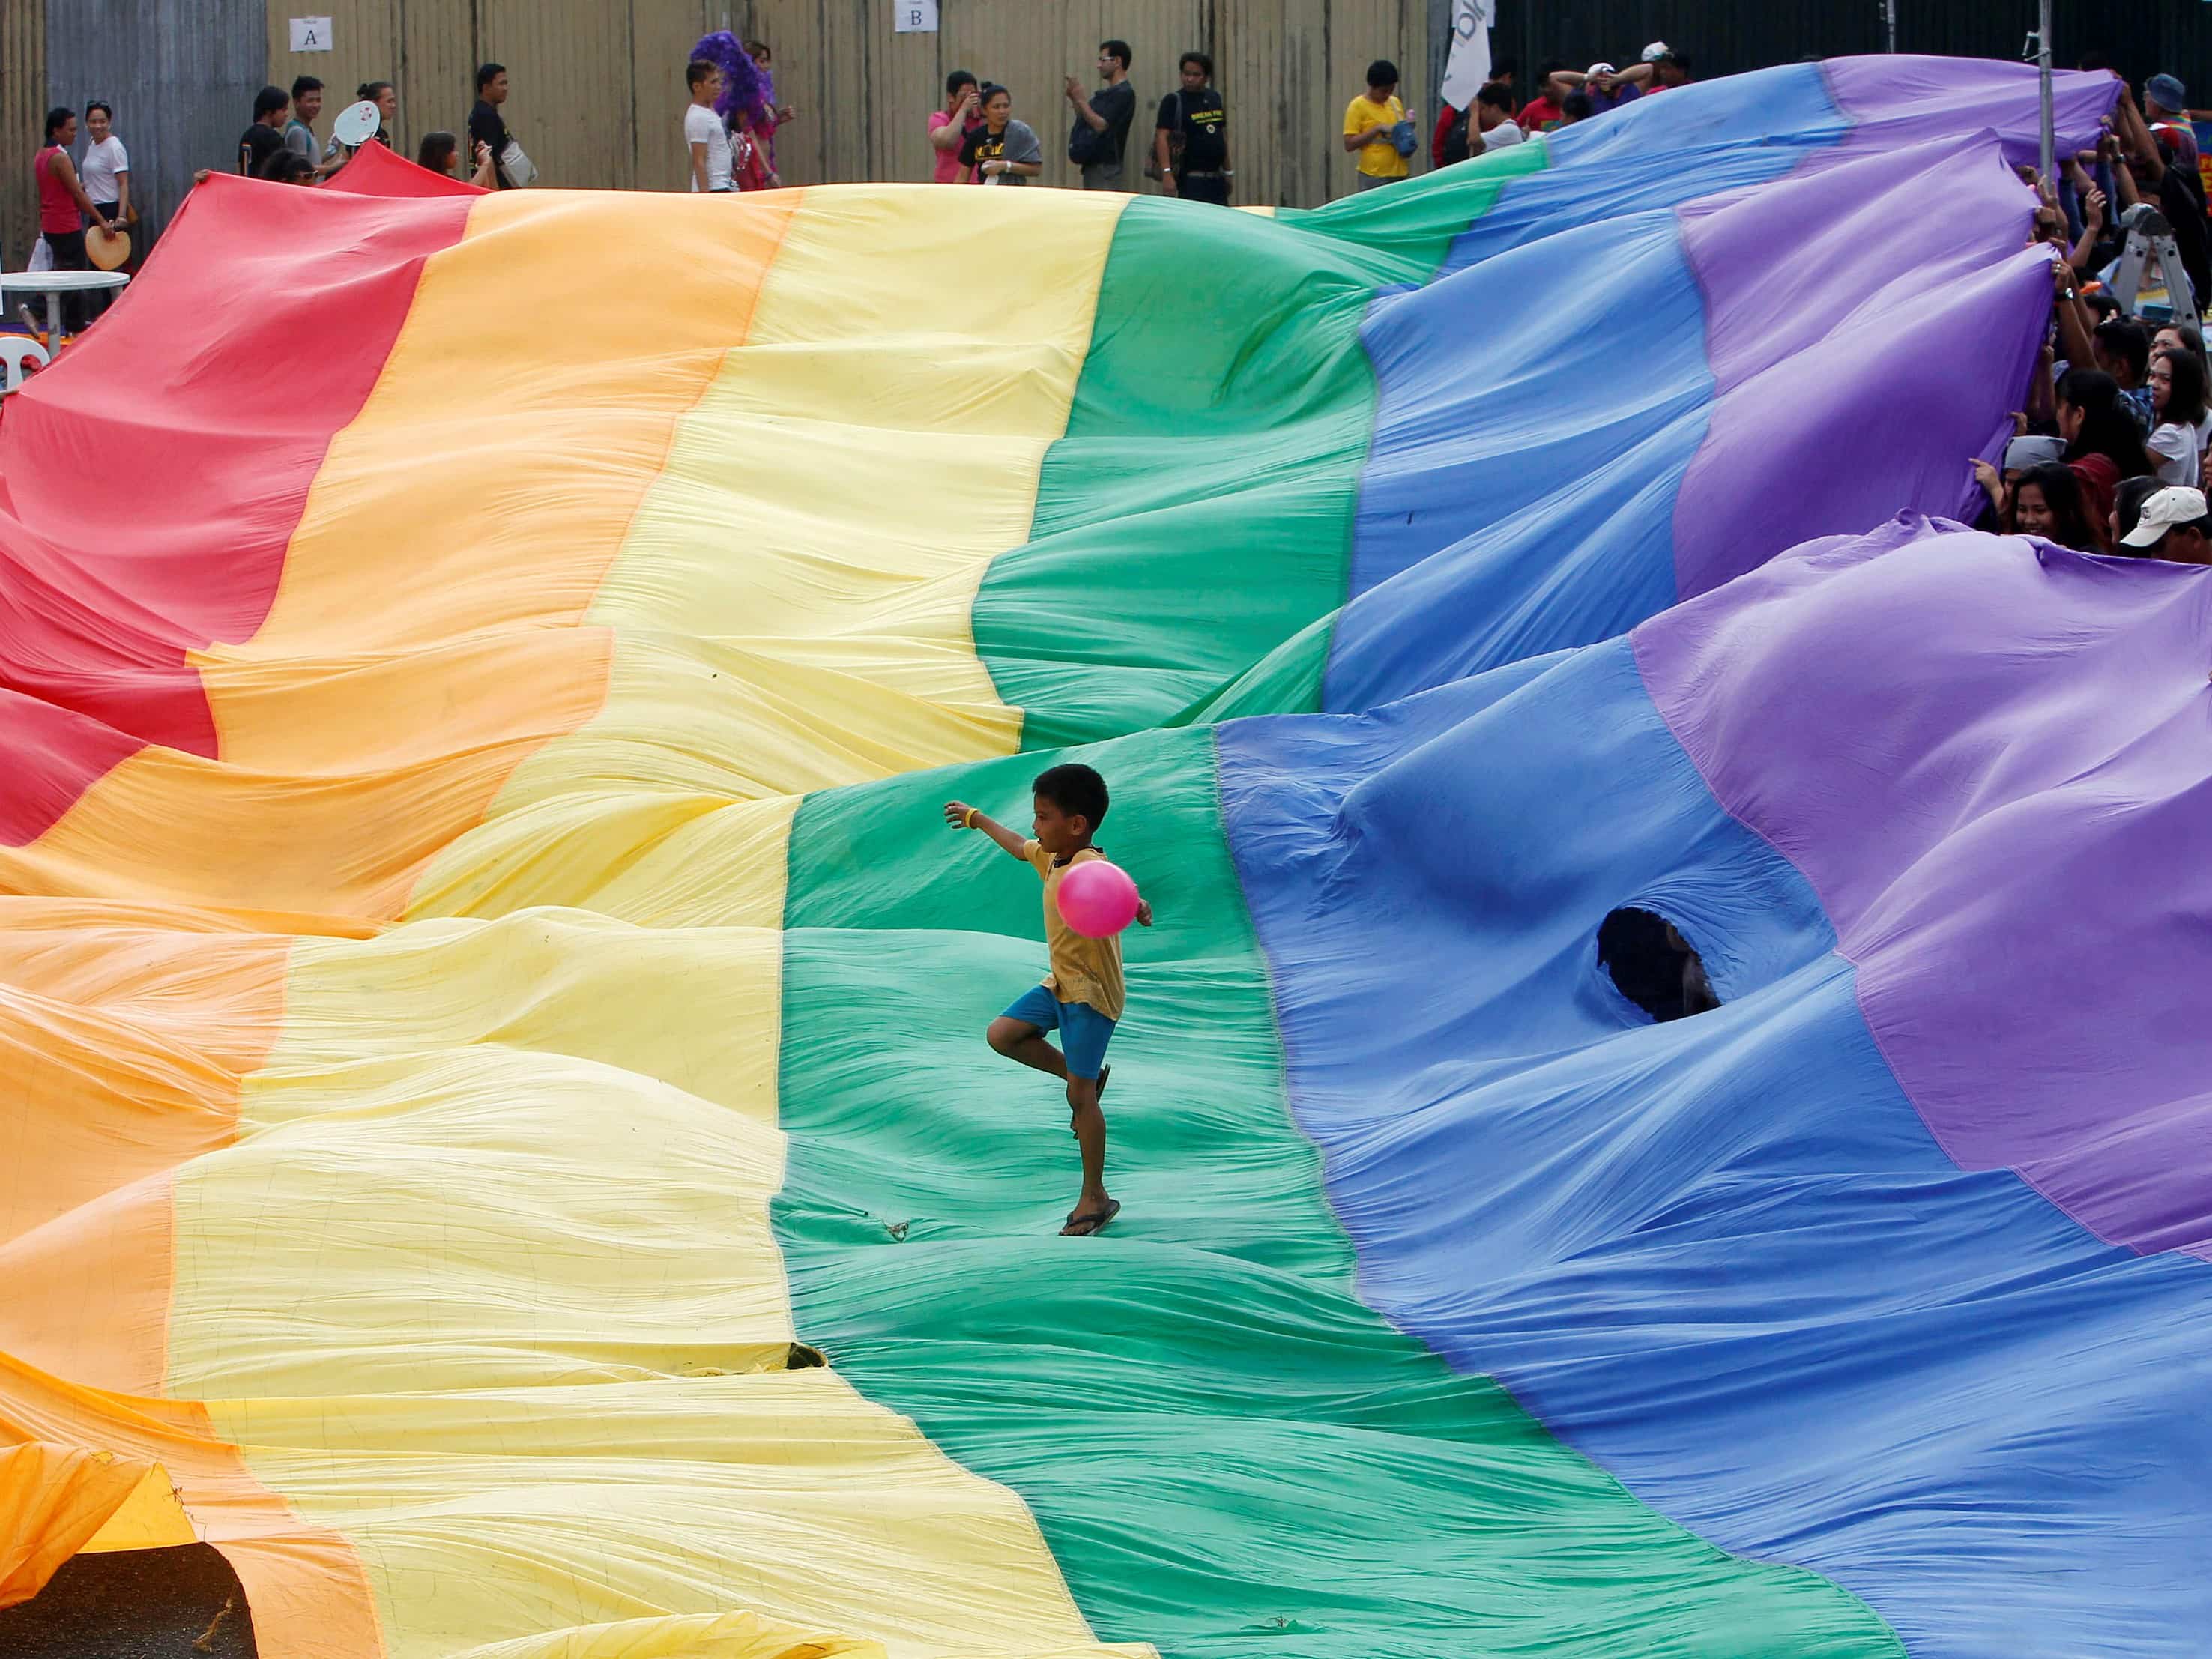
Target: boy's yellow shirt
x=1083, y=969
x=1379, y=160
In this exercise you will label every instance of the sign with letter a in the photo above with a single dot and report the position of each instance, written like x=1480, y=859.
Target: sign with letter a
x=311, y=34
x=915, y=17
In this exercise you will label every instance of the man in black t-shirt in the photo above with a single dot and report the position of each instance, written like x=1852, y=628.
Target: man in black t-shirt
x=1100, y=137
x=486, y=125
x=1190, y=144
x=265, y=137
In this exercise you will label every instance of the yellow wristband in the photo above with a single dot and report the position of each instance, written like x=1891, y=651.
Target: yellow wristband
x=968, y=821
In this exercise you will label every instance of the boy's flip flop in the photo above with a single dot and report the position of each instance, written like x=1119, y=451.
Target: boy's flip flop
x=1084, y=1226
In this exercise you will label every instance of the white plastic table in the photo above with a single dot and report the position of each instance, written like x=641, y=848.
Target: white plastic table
x=55, y=283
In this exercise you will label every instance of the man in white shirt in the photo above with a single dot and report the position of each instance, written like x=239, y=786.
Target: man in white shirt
x=703, y=130
x=1493, y=119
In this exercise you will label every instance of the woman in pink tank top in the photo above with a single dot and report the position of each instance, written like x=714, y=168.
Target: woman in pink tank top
x=64, y=206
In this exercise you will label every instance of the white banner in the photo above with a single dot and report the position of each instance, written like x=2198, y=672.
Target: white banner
x=915, y=17
x=1468, y=65
x=311, y=34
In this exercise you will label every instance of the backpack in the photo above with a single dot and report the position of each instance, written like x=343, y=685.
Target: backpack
x=1175, y=143
x=1083, y=142
x=1454, y=147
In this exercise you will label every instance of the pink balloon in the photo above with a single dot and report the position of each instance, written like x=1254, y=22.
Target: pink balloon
x=1098, y=899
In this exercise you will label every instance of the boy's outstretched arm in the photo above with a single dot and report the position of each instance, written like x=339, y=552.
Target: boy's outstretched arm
x=961, y=815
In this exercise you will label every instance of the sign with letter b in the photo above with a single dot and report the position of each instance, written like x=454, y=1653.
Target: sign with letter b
x=915, y=17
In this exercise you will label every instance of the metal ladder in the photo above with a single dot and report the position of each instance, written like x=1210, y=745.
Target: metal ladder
x=2151, y=238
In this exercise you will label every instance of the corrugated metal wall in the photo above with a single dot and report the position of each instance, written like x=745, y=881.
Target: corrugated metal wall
x=1286, y=68
x=598, y=84
x=181, y=75
x=599, y=91
x=591, y=85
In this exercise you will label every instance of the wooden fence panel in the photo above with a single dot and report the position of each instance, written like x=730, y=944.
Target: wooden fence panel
x=598, y=86
x=365, y=45
x=22, y=118
x=662, y=34
x=568, y=68
x=434, y=77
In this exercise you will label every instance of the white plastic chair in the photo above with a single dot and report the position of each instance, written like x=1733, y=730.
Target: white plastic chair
x=19, y=355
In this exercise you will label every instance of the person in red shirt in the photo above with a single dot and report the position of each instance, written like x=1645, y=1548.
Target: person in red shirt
x=62, y=201
x=2104, y=445
x=1544, y=111
x=1544, y=114
x=1502, y=72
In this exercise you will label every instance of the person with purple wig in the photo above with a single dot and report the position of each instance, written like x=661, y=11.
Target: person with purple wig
x=764, y=61
x=743, y=108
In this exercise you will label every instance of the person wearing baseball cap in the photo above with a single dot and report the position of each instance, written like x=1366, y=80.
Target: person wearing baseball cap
x=2175, y=525
x=2161, y=166
x=1659, y=68
x=2166, y=103
x=2021, y=453
x=1606, y=89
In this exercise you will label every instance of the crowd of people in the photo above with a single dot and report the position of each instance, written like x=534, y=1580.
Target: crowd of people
x=976, y=139
x=283, y=146
x=731, y=120
x=2109, y=452
x=1496, y=117
x=281, y=143
x=2111, y=448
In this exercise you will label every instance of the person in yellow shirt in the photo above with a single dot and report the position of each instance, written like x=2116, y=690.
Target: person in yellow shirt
x=1082, y=997
x=1371, y=127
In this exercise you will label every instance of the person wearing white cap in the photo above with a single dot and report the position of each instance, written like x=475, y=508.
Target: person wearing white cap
x=2175, y=525
x=1660, y=67
x=1606, y=89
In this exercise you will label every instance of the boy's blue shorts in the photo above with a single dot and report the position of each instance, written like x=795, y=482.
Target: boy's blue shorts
x=1084, y=1031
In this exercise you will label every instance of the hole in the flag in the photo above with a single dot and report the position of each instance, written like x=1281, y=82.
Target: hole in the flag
x=128, y=1604
x=1654, y=966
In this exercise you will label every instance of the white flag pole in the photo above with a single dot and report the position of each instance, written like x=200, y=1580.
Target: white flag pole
x=1467, y=66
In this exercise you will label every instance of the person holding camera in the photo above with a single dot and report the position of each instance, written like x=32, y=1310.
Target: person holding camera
x=1099, y=138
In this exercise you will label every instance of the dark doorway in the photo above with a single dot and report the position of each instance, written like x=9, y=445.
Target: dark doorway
x=1654, y=965
x=180, y=1604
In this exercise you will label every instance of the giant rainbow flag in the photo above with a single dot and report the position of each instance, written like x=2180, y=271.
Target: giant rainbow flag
x=488, y=1005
